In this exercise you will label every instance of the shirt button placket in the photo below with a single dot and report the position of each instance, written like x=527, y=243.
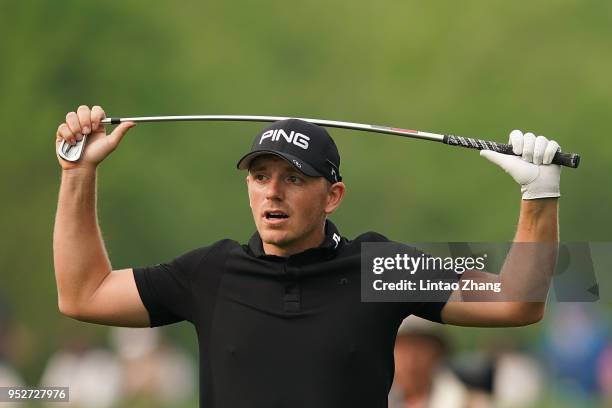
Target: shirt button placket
x=291, y=297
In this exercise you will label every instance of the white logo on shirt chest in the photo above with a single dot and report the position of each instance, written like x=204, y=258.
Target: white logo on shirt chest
x=336, y=239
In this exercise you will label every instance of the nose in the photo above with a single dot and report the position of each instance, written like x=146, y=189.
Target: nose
x=275, y=189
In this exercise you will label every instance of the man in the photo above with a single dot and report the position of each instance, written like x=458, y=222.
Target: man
x=279, y=321
x=422, y=376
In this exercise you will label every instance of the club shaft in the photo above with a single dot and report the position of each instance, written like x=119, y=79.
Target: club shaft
x=249, y=118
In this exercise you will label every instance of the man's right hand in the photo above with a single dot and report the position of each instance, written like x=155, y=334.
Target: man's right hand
x=86, y=121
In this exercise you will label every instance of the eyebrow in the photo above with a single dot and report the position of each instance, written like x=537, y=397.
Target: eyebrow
x=257, y=168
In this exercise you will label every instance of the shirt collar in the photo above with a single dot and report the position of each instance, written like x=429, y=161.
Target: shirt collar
x=332, y=241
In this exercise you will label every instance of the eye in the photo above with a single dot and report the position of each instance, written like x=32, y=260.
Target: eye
x=259, y=177
x=294, y=179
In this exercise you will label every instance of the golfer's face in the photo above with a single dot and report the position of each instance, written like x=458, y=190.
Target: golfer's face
x=288, y=206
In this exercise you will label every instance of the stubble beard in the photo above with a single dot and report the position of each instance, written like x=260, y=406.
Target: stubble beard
x=287, y=239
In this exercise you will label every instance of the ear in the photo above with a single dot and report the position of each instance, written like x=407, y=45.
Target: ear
x=335, y=194
x=247, y=179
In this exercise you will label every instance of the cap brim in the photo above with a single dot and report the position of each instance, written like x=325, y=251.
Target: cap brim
x=301, y=165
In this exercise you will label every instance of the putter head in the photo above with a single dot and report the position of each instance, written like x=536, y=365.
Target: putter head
x=69, y=152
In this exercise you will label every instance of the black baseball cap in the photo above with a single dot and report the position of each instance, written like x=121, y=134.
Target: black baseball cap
x=308, y=147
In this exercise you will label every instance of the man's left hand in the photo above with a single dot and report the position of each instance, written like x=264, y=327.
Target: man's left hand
x=533, y=169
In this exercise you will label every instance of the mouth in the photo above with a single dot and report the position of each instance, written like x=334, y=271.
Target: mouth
x=275, y=216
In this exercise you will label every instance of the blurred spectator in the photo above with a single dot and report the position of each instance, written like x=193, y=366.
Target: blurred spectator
x=476, y=369
x=574, y=348
x=92, y=374
x=519, y=381
x=500, y=371
x=604, y=371
x=141, y=371
x=153, y=370
x=421, y=377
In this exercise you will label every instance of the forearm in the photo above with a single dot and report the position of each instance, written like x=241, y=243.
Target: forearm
x=530, y=264
x=538, y=221
x=524, y=279
x=80, y=259
x=528, y=268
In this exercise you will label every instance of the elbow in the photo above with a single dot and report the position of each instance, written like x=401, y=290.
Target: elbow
x=68, y=309
x=64, y=307
x=528, y=314
x=529, y=320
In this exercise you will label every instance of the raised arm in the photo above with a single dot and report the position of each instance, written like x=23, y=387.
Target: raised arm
x=527, y=271
x=88, y=289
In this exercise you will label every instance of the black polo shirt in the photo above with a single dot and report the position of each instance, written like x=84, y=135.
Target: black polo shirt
x=281, y=332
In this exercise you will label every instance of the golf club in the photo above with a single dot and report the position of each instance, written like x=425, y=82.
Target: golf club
x=73, y=152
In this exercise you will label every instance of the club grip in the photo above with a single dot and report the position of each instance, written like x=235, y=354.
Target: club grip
x=563, y=159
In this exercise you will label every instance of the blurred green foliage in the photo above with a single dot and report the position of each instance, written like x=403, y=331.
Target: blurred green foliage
x=473, y=68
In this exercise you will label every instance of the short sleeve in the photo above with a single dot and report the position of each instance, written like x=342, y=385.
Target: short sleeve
x=430, y=310
x=426, y=306
x=166, y=289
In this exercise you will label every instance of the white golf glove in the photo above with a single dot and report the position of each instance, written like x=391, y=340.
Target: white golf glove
x=532, y=170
